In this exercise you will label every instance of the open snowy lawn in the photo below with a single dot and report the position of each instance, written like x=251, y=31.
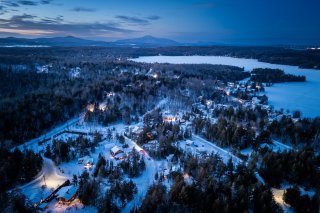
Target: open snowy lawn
x=50, y=176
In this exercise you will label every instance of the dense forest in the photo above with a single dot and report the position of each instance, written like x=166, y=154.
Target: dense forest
x=32, y=103
x=203, y=192
x=276, y=55
x=16, y=168
x=274, y=76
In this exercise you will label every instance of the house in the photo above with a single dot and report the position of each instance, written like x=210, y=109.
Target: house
x=189, y=143
x=67, y=194
x=121, y=156
x=169, y=118
x=135, y=132
x=152, y=145
x=115, y=151
x=90, y=107
x=86, y=161
x=201, y=150
x=42, y=69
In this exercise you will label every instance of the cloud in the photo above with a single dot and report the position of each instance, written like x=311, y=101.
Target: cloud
x=17, y=3
x=83, y=9
x=55, y=20
x=12, y=4
x=22, y=17
x=28, y=3
x=27, y=24
x=133, y=20
x=46, y=1
x=154, y=17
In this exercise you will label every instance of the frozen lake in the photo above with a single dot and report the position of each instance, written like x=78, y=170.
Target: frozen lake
x=293, y=96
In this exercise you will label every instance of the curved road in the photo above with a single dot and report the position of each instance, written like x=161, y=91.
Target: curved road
x=49, y=176
x=142, y=182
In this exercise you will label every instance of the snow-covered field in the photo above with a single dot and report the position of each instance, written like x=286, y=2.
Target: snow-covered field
x=293, y=96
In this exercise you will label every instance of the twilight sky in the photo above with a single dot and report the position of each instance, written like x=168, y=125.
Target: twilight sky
x=225, y=21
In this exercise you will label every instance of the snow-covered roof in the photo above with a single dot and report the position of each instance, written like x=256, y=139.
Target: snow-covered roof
x=67, y=192
x=89, y=160
x=115, y=149
x=189, y=142
x=136, y=129
x=86, y=159
x=121, y=155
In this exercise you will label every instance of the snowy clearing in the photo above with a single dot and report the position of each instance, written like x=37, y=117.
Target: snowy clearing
x=49, y=176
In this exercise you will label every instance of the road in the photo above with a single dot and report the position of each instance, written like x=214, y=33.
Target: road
x=142, y=182
x=33, y=144
x=49, y=176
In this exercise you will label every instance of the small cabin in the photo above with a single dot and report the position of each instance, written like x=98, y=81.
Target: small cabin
x=189, y=143
x=115, y=151
x=121, y=156
x=67, y=194
x=86, y=161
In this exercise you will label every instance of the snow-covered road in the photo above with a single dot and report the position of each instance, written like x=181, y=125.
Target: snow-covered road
x=33, y=144
x=142, y=182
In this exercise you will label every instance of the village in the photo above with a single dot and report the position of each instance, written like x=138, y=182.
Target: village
x=83, y=142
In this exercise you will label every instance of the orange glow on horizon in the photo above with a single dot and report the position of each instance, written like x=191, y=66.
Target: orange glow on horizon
x=26, y=32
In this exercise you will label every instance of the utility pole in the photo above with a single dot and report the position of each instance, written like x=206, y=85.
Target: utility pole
x=44, y=180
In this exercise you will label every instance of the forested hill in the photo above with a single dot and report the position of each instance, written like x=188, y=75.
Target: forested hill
x=278, y=55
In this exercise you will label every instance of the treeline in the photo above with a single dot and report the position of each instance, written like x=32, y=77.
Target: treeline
x=300, y=203
x=15, y=201
x=210, y=186
x=114, y=199
x=164, y=133
x=133, y=165
x=302, y=131
x=201, y=71
x=32, y=103
x=276, y=55
x=18, y=167
x=266, y=75
x=297, y=167
x=234, y=127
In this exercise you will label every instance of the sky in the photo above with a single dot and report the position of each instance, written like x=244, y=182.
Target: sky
x=256, y=22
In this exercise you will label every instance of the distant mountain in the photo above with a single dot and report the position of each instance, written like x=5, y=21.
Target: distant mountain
x=70, y=41
x=56, y=41
x=147, y=41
